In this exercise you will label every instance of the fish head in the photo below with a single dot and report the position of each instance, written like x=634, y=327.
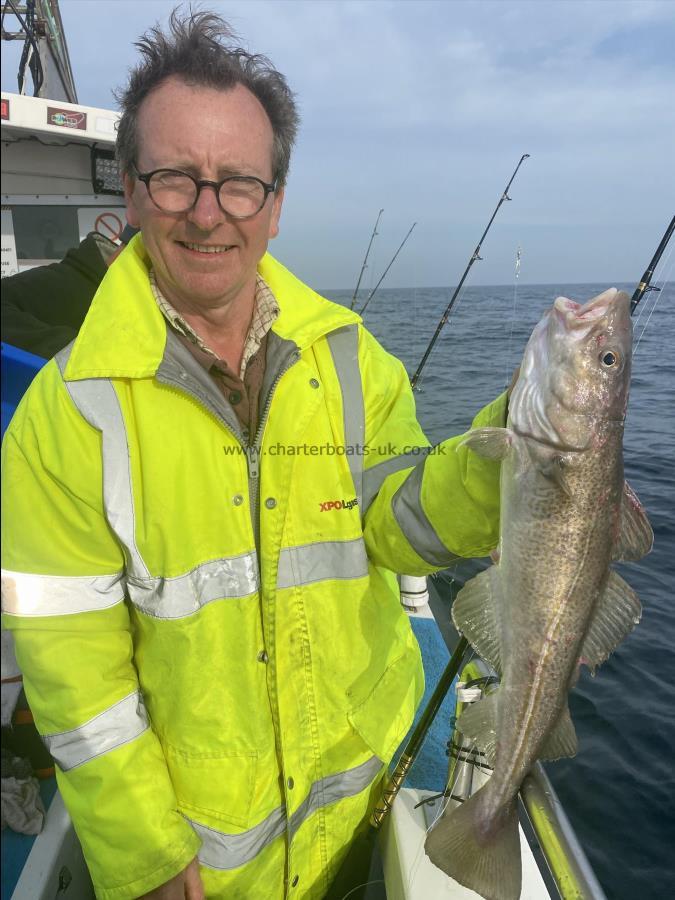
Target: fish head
x=575, y=373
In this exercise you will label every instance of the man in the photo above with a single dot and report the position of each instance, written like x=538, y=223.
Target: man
x=206, y=496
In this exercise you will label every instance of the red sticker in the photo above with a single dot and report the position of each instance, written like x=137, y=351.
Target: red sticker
x=109, y=225
x=66, y=118
x=4, y=105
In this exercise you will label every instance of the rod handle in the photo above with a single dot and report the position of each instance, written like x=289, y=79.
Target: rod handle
x=390, y=790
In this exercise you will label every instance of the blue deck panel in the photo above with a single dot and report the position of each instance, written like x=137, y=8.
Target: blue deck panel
x=19, y=368
x=430, y=769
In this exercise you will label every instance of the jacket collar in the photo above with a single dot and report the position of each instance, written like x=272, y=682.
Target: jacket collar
x=124, y=333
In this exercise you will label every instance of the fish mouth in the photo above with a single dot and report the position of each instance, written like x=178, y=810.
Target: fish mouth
x=578, y=316
x=580, y=319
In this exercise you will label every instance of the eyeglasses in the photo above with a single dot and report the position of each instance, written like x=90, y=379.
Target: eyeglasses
x=239, y=196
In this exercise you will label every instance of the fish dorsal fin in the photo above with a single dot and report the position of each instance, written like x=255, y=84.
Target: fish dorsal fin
x=478, y=724
x=475, y=613
x=562, y=739
x=489, y=442
x=616, y=613
x=635, y=538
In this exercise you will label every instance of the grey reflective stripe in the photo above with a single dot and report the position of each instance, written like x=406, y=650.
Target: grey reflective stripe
x=112, y=728
x=336, y=787
x=219, y=579
x=413, y=521
x=24, y=594
x=97, y=402
x=344, y=347
x=169, y=598
x=220, y=850
x=375, y=475
x=324, y=560
x=229, y=851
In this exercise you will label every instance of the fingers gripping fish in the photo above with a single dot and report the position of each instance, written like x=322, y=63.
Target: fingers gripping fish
x=552, y=602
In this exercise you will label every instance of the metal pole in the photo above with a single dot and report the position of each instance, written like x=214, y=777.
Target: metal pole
x=565, y=857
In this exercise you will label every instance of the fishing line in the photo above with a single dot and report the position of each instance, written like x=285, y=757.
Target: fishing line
x=475, y=256
x=657, y=298
x=365, y=884
x=420, y=850
x=442, y=808
x=516, y=276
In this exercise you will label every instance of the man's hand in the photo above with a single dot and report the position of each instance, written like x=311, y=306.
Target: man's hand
x=187, y=885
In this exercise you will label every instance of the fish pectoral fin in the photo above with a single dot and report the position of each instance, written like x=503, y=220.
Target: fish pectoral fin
x=635, y=537
x=556, y=472
x=475, y=613
x=562, y=739
x=491, y=443
x=478, y=723
x=616, y=613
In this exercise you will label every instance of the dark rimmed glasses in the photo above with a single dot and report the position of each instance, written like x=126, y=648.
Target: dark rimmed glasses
x=239, y=196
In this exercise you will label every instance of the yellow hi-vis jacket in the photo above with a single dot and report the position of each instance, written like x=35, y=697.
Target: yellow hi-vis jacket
x=212, y=646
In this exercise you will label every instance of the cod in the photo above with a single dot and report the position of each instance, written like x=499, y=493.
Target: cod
x=551, y=602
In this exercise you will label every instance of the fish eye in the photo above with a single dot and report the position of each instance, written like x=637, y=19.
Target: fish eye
x=610, y=359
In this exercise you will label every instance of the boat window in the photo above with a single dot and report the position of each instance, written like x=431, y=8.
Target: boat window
x=45, y=232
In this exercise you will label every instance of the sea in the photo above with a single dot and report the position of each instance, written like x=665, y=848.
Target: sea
x=619, y=791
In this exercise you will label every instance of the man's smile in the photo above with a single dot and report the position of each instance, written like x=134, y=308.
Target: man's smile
x=205, y=248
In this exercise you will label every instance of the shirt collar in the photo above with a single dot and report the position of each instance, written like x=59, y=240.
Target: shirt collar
x=265, y=313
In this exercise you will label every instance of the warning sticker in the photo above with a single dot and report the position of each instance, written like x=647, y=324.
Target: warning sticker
x=103, y=220
x=4, y=107
x=9, y=261
x=66, y=118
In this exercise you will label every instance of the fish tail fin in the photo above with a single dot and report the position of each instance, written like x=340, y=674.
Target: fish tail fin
x=480, y=852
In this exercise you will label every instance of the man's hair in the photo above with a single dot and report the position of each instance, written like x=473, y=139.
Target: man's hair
x=200, y=49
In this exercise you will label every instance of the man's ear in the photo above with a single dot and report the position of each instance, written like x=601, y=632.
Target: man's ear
x=130, y=184
x=276, y=213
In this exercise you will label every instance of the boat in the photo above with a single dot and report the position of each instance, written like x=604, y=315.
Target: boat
x=60, y=182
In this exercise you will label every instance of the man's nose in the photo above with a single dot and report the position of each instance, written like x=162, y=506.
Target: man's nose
x=206, y=213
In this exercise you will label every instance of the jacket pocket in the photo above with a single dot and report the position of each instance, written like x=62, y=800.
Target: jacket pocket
x=386, y=714
x=217, y=787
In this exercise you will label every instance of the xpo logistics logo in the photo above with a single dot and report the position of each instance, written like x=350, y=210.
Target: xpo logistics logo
x=328, y=505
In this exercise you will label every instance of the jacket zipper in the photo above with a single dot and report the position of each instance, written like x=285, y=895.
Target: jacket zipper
x=253, y=455
x=251, y=450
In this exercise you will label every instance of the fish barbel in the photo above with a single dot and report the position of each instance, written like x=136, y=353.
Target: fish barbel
x=551, y=602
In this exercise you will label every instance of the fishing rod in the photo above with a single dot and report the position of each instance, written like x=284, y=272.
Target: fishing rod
x=414, y=745
x=476, y=256
x=361, y=851
x=645, y=284
x=372, y=293
x=365, y=258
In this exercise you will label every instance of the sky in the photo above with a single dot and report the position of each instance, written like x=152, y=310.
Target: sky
x=424, y=109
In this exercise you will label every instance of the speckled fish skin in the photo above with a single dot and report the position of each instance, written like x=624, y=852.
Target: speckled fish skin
x=552, y=601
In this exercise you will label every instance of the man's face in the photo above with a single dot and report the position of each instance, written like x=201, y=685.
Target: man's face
x=210, y=134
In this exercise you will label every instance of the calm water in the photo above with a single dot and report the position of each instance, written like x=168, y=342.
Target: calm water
x=619, y=791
